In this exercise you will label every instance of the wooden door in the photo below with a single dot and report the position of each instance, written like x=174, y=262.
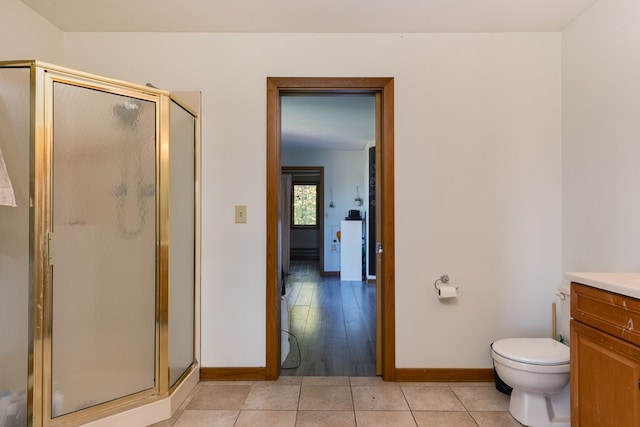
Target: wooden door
x=605, y=375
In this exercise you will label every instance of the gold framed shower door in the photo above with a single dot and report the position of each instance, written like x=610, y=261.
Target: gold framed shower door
x=55, y=227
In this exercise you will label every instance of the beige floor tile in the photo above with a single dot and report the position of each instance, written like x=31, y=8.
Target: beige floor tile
x=495, y=419
x=266, y=419
x=431, y=398
x=326, y=398
x=385, y=419
x=444, y=419
x=371, y=382
x=219, y=396
x=330, y=401
x=165, y=423
x=223, y=382
x=204, y=418
x=423, y=384
x=481, y=398
x=379, y=398
x=326, y=418
x=325, y=381
x=272, y=397
x=471, y=384
x=287, y=381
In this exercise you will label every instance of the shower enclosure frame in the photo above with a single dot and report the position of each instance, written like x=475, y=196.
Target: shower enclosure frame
x=42, y=242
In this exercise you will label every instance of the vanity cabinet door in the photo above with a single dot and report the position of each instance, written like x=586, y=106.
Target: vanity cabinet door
x=605, y=379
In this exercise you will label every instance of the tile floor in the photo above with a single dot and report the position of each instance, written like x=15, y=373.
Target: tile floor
x=342, y=402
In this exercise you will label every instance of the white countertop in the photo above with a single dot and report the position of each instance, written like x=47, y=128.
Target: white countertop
x=627, y=284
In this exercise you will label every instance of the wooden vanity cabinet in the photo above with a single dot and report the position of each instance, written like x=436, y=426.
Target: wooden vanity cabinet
x=605, y=358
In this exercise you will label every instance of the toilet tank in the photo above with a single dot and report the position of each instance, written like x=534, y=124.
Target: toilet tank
x=565, y=311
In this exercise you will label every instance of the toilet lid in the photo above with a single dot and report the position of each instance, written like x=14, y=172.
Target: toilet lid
x=537, y=351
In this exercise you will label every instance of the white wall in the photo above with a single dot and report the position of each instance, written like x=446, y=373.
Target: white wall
x=26, y=35
x=477, y=195
x=343, y=171
x=477, y=140
x=601, y=138
x=477, y=163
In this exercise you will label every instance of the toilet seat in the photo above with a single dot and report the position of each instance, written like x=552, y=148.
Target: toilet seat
x=534, y=351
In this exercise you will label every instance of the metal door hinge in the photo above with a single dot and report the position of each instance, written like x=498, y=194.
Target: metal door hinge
x=378, y=248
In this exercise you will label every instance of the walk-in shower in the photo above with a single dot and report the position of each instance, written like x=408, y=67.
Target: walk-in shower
x=99, y=259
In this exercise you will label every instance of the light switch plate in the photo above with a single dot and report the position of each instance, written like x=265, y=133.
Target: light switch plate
x=241, y=214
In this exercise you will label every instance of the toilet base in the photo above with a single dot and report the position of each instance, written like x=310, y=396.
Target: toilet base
x=538, y=410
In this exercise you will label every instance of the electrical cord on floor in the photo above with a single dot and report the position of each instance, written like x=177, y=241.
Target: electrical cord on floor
x=299, y=358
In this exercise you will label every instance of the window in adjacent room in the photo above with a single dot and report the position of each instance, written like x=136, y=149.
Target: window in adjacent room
x=304, y=205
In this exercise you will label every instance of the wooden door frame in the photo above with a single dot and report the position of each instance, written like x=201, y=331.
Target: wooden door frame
x=319, y=204
x=384, y=87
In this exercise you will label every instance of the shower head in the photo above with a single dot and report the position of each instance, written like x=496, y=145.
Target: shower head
x=127, y=112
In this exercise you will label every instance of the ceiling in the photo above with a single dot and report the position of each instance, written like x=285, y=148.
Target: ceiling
x=310, y=16
x=327, y=122
x=335, y=122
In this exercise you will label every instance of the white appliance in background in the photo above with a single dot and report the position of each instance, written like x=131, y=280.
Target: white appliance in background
x=351, y=250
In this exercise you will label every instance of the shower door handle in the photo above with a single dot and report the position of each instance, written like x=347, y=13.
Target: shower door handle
x=50, y=248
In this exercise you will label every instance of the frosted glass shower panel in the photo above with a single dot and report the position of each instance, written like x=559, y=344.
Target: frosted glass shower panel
x=14, y=248
x=103, y=318
x=182, y=232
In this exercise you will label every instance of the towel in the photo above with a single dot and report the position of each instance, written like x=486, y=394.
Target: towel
x=7, y=198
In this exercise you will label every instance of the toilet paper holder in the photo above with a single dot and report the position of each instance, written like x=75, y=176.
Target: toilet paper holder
x=444, y=279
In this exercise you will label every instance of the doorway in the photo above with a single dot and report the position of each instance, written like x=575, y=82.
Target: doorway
x=301, y=215
x=382, y=88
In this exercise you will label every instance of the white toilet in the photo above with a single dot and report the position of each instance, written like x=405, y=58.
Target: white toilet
x=537, y=369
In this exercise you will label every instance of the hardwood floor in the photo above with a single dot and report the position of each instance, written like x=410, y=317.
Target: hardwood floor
x=334, y=323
